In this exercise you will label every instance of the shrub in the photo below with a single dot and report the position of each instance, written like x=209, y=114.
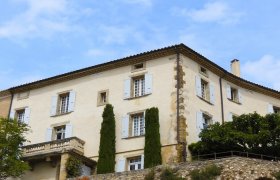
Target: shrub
x=73, y=167
x=107, y=146
x=150, y=175
x=168, y=174
x=277, y=175
x=208, y=173
x=264, y=178
x=152, y=149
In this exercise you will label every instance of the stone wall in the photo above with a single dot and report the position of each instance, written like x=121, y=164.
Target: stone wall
x=233, y=168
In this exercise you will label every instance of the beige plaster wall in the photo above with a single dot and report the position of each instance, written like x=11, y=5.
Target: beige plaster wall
x=42, y=171
x=87, y=116
x=5, y=102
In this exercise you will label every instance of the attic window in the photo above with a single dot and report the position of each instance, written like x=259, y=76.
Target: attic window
x=203, y=71
x=137, y=67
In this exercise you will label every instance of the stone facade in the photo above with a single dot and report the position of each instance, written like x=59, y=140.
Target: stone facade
x=233, y=168
x=5, y=101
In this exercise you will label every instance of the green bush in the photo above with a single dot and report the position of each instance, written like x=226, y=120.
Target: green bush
x=150, y=175
x=107, y=146
x=152, y=149
x=207, y=173
x=168, y=174
x=73, y=167
x=277, y=175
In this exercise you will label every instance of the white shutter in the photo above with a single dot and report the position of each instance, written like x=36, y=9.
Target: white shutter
x=86, y=171
x=72, y=97
x=148, y=83
x=142, y=161
x=230, y=116
x=125, y=126
x=26, y=115
x=68, y=130
x=54, y=105
x=240, y=100
x=127, y=88
x=12, y=114
x=270, y=108
x=212, y=94
x=198, y=86
x=199, y=121
x=229, y=92
x=120, y=165
x=49, y=134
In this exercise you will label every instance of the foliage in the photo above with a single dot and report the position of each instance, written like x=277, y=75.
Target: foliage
x=208, y=173
x=73, y=167
x=168, y=174
x=150, y=175
x=249, y=132
x=11, y=139
x=277, y=175
x=107, y=147
x=152, y=149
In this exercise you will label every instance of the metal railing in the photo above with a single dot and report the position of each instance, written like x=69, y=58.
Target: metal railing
x=227, y=154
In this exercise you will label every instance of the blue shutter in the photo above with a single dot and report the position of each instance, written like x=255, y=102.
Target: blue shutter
x=127, y=88
x=120, y=165
x=68, y=130
x=26, y=115
x=229, y=92
x=148, y=83
x=199, y=122
x=54, y=105
x=49, y=134
x=142, y=161
x=270, y=108
x=198, y=86
x=12, y=114
x=125, y=126
x=230, y=116
x=240, y=100
x=212, y=94
x=72, y=97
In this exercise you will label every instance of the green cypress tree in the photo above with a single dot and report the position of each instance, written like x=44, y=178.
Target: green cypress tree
x=107, y=145
x=152, y=150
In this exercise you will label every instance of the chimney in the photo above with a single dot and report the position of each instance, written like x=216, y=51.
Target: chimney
x=235, y=67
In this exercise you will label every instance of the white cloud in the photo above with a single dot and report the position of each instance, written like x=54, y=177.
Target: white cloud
x=40, y=19
x=265, y=71
x=211, y=12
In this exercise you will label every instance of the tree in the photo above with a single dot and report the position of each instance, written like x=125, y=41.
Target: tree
x=73, y=167
x=248, y=132
x=107, y=146
x=11, y=139
x=152, y=150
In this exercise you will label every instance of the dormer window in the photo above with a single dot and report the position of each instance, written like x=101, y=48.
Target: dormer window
x=138, y=67
x=203, y=71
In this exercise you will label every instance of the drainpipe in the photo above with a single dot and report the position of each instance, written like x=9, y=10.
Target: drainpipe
x=12, y=94
x=222, y=100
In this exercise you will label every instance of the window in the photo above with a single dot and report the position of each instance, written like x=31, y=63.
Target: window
x=276, y=109
x=207, y=120
x=138, y=86
x=23, y=95
x=63, y=103
x=138, y=124
x=138, y=67
x=59, y=132
x=203, y=71
x=20, y=115
x=134, y=163
x=234, y=94
x=102, y=97
x=204, y=90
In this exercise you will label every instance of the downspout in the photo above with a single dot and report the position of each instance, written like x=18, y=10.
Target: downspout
x=222, y=100
x=12, y=94
x=184, y=153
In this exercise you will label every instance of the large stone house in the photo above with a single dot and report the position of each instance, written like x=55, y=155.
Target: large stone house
x=191, y=92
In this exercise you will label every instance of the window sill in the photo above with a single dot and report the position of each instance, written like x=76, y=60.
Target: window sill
x=205, y=100
x=234, y=101
x=102, y=104
x=61, y=114
x=130, y=98
x=133, y=137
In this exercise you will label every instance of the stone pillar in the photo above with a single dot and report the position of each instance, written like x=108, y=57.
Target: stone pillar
x=62, y=170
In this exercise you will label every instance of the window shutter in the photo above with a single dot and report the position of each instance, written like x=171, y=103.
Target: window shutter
x=68, y=130
x=199, y=121
x=198, y=86
x=54, y=105
x=229, y=92
x=86, y=171
x=230, y=116
x=12, y=114
x=121, y=165
x=26, y=115
x=49, y=134
x=125, y=126
x=240, y=100
x=148, y=83
x=142, y=161
x=212, y=94
x=72, y=97
x=270, y=108
x=127, y=88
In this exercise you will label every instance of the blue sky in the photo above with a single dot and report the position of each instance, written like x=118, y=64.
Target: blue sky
x=43, y=38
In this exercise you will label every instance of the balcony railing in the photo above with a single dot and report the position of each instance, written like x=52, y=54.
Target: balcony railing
x=54, y=147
